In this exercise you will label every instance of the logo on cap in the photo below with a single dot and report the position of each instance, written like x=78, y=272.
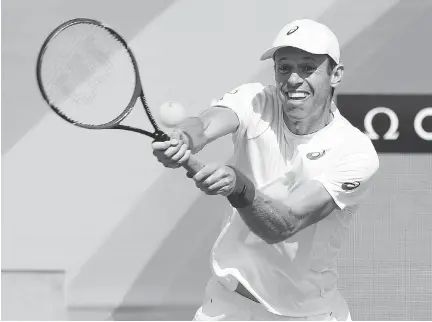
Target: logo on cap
x=292, y=30
x=234, y=91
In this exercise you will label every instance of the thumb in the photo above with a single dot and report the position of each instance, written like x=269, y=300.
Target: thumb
x=179, y=135
x=176, y=134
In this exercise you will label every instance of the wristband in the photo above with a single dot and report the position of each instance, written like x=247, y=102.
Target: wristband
x=243, y=194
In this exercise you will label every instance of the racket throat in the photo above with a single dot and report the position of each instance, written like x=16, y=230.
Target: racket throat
x=161, y=136
x=136, y=130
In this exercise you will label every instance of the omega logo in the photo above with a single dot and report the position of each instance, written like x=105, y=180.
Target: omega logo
x=392, y=132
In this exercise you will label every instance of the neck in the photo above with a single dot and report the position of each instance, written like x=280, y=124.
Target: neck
x=312, y=124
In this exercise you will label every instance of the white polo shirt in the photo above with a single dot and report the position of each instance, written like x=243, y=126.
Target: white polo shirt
x=296, y=277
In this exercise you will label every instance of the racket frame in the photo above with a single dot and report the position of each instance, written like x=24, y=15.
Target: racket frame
x=192, y=165
x=138, y=91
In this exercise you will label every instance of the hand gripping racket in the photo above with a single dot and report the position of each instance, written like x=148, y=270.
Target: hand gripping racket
x=89, y=76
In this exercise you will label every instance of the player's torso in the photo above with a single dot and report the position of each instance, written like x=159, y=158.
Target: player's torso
x=303, y=263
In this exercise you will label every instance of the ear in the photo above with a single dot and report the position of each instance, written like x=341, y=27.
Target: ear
x=337, y=74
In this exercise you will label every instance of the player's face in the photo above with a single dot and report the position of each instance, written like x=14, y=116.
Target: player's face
x=304, y=82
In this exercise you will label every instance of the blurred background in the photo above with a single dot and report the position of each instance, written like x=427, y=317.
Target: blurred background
x=93, y=228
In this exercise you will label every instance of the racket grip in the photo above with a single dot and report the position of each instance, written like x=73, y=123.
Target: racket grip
x=193, y=165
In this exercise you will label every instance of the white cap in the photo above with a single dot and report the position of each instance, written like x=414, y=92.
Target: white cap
x=308, y=35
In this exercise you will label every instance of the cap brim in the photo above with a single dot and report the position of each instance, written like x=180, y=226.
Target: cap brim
x=270, y=53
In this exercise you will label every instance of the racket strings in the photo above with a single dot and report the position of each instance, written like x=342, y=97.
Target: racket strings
x=70, y=63
x=88, y=75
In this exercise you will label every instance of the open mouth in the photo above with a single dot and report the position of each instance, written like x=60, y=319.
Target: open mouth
x=297, y=96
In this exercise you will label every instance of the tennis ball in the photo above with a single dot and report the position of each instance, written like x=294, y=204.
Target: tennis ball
x=171, y=113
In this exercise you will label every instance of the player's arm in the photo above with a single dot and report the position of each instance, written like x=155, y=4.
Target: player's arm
x=275, y=220
x=275, y=214
x=217, y=121
x=194, y=133
x=230, y=114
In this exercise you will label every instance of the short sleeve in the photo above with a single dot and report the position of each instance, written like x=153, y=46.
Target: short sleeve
x=245, y=100
x=348, y=178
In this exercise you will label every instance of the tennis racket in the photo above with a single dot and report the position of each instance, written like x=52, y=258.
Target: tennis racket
x=89, y=76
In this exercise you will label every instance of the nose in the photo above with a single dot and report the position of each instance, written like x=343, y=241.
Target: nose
x=295, y=79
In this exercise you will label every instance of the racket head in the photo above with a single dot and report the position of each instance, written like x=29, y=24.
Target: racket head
x=73, y=66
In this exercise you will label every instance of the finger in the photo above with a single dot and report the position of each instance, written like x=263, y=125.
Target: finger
x=218, y=185
x=176, y=157
x=172, y=150
x=225, y=191
x=220, y=188
x=174, y=142
x=209, y=192
x=205, y=172
x=160, y=145
x=216, y=176
x=175, y=135
x=185, y=157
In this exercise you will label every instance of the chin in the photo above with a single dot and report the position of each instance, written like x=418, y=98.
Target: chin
x=293, y=109
x=294, y=115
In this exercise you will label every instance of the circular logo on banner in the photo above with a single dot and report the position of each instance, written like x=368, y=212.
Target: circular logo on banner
x=418, y=126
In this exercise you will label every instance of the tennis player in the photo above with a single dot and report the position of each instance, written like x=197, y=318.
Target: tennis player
x=300, y=171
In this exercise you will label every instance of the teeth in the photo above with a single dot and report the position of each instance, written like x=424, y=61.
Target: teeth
x=297, y=95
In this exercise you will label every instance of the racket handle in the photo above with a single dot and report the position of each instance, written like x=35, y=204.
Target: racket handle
x=193, y=165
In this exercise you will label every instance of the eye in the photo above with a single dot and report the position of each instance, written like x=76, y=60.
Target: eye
x=283, y=69
x=308, y=68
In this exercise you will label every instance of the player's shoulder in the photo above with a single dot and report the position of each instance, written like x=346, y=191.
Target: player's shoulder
x=351, y=140
x=250, y=89
x=352, y=150
x=257, y=95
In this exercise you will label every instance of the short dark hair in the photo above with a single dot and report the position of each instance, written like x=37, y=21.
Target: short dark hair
x=331, y=65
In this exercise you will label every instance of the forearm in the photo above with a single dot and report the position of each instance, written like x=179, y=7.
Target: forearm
x=218, y=122
x=210, y=125
x=271, y=220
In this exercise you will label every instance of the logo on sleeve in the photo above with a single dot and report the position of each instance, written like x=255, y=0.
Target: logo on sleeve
x=315, y=155
x=347, y=186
